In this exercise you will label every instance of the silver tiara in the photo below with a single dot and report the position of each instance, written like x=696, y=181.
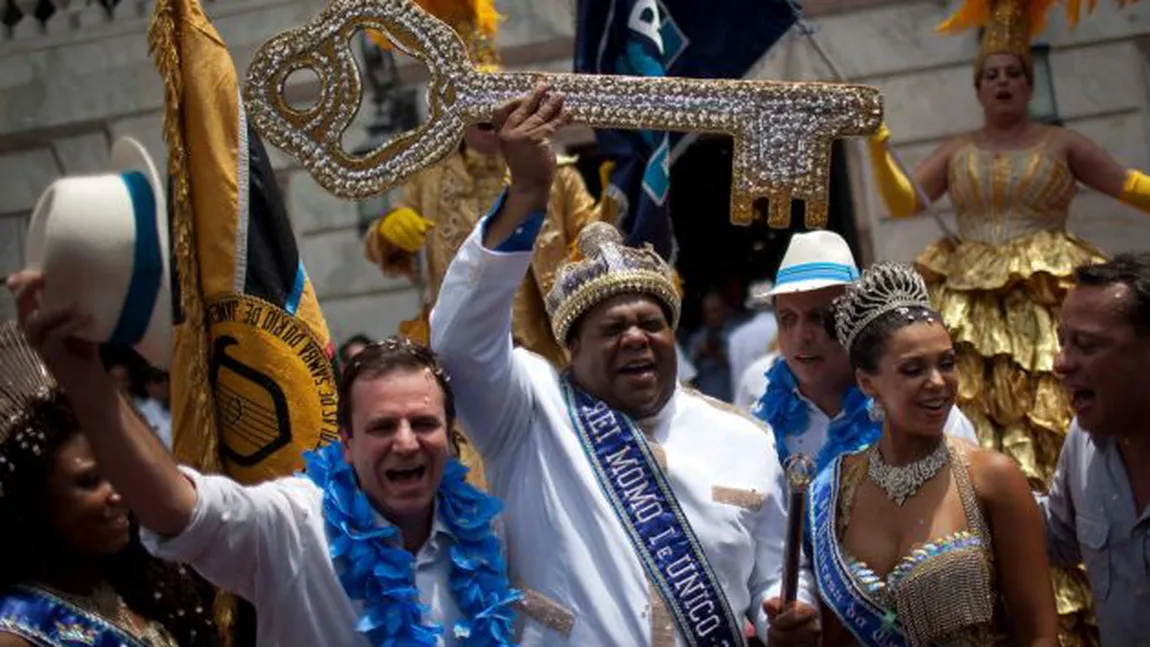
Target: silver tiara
x=883, y=288
x=24, y=382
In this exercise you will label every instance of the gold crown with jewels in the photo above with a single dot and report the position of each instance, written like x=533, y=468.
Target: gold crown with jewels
x=607, y=268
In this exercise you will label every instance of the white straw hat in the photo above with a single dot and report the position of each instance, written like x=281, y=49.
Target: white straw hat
x=101, y=242
x=815, y=260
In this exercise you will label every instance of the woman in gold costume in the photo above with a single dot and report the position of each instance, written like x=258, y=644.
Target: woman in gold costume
x=72, y=568
x=999, y=284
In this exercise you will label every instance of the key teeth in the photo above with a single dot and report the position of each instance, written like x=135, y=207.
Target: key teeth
x=779, y=210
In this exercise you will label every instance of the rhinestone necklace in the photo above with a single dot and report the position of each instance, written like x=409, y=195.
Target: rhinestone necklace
x=901, y=482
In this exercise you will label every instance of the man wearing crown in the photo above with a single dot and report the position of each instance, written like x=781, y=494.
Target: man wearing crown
x=807, y=393
x=639, y=513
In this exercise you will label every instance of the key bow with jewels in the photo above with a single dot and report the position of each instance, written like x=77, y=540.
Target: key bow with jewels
x=782, y=131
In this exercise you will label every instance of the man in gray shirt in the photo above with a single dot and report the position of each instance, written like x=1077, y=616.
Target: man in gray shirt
x=1098, y=510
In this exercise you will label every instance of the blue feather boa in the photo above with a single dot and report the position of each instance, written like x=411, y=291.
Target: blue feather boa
x=788, y=415
x=383, y=577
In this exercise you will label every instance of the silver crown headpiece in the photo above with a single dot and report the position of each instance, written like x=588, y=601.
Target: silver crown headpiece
x=24, y=382
x=882, y=288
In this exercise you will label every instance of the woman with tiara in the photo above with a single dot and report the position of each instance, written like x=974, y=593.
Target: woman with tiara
x=922, y=539
x=72, y=569
x=999, y=284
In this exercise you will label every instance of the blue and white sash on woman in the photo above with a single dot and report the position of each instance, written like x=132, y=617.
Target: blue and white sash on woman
x=870, y=623
x=660, y=533
x=44, y=619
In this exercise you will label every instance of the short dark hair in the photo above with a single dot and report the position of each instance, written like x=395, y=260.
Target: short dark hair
x=358, y=338
x=1131, y=269
x=394, y=354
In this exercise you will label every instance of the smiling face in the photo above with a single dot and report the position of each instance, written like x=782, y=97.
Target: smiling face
x=398, y=443
x=1103, y=359
x=806, y=339
x=623, y=352
x=1004, y=88
x=84, y=510
x=915, y=380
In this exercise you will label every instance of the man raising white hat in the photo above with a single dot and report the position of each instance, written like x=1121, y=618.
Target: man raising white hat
x=807, y=392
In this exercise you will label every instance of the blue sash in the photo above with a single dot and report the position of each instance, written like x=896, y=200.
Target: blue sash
x=659, y=531
x=44, y=619
x=869, y=622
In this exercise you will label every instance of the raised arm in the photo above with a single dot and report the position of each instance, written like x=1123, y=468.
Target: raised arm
x=1097, y=169
x=1017, y=533
x=222, y=529
x=903, y=195
x=471, y=322
x=129, y=454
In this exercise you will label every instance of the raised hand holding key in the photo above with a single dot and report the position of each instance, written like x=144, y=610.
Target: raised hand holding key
x=782, y=131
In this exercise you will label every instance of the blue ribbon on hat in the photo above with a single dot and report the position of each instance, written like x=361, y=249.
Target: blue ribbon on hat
x=817, y=272
x=147, y=264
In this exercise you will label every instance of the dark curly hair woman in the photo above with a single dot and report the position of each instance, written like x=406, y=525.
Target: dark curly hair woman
x=72, y=569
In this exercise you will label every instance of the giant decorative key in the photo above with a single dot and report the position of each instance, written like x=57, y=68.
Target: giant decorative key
x=782, y=131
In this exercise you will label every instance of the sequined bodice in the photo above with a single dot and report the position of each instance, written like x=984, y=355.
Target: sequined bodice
x=1002, y=196
x=942, y=592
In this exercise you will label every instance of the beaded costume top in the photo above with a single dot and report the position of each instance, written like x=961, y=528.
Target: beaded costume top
x=1002, y=196
x=942, y=593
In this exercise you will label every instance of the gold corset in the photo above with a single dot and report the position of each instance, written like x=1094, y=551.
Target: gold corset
x=943, y=592
x=1002, y=196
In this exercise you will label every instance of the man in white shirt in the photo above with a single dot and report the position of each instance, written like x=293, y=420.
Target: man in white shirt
x=752, y=339
x=807, y=392
x=380, y=523
x=638, y=512
x=1098, y=509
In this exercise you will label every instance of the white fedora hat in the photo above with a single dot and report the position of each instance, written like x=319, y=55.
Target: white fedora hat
x=101, y=242
x=815, y=260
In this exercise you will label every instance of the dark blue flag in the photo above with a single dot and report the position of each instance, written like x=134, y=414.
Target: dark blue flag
x=688, y=38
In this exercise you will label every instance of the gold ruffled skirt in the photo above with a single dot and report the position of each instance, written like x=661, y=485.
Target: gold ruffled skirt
x=1000, y=303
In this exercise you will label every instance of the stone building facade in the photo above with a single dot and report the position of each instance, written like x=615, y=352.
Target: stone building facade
x=70, y=85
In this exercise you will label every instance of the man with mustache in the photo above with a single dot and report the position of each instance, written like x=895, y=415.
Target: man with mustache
x=807, y=392
x=1098, y=509
x=638, y=512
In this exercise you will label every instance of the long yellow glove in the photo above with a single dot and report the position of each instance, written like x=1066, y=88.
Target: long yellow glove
x=405, y=229
x=1136, y=191
x=896, y=188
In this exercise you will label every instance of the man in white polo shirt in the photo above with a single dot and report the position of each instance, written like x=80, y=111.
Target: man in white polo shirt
x=807, y=392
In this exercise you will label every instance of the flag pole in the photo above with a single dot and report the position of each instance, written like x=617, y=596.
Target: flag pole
x=810, y=31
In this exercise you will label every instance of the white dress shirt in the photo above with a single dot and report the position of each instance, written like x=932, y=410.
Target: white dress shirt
x=754, y=385
x=567, y=550
x=749, y=342
x=267, y=544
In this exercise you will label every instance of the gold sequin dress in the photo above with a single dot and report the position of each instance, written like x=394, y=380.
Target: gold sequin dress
x=998, y=291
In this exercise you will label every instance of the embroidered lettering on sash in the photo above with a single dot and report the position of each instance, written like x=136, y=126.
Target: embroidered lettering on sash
x=660, y=533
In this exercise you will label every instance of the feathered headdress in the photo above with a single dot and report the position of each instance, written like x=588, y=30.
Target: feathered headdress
x=24, y=382
x=476, y=22
x=1011, y=25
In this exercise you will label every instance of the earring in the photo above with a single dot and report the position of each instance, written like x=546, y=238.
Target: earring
x=874, y=411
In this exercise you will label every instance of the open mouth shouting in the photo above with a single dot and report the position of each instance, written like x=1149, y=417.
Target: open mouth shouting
x=1081, y=399
x=808, y=359
x=406, y=479
x=639, y=370
x=1003, y=95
